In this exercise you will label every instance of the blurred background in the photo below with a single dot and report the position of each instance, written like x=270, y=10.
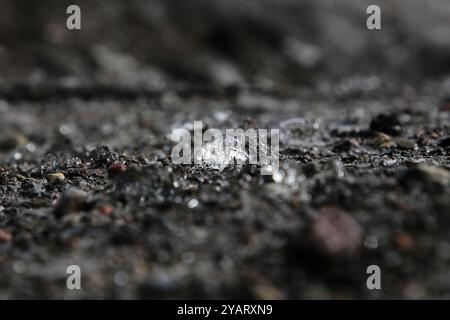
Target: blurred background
x=154, y=43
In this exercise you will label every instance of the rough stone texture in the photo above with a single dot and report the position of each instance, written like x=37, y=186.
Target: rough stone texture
x=77, y=103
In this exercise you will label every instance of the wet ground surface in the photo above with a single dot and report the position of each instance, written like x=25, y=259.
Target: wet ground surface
x=86, y=176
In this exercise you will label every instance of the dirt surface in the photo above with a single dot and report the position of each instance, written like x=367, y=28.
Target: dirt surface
x=86, y=176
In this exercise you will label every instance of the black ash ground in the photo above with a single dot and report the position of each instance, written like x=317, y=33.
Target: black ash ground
x=86, y=176
x=346, y=200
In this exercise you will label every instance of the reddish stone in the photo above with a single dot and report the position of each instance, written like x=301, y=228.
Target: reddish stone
x=334, y=232
x=106, y=210
x=117, y=168
x=404, y=242
x=5, y=236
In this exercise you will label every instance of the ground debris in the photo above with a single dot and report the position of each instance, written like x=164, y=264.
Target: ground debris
x=71, y=201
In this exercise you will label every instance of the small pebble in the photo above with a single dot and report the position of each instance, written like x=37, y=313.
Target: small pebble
x=427, y=174
x=5, y=236
x=31, y=147
x=267, y=291
x=406, y=144
x=66, y=129
x=73, y=200
x=404, y=242
x=389, y=124
x=334, y=232
x=117, y=168
x=21, y=177
x=121, y=278
x=102, y=156
x=345, y=146
x=55, y=177
x=371, y=242
x=106, y=210
x=380, y=140
x=193, y=203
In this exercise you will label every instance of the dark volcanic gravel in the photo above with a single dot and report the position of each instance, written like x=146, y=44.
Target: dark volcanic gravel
x=185, y=231
x=86, y=176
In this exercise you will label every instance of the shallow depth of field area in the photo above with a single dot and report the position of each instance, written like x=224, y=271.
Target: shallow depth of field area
x=86, y=176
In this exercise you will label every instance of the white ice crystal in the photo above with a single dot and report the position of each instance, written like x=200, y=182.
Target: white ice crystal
x=219, y=154
x=215, y=155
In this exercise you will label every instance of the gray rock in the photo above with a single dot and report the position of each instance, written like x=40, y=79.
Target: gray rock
x=72, y=200
x=55, y=177
x=428, y=175
x=406, y=144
